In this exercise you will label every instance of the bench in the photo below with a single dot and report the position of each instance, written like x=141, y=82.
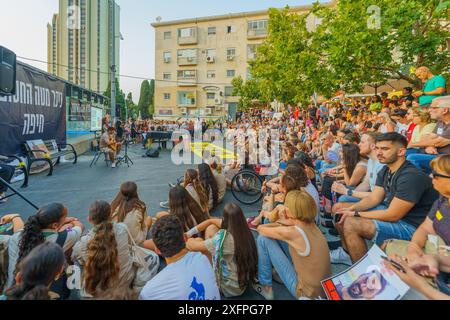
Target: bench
x=49, y=151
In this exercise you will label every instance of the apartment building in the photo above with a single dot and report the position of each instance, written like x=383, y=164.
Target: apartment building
x=197, y=59
x=79, y=47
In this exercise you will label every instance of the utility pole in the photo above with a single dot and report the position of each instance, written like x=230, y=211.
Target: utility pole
x=113, y=61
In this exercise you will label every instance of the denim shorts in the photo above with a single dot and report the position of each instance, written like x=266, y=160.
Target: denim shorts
x=348, y=199
x=392, y=230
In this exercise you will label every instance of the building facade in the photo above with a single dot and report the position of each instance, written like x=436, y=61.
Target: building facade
x=197, y=59
x=80, y=42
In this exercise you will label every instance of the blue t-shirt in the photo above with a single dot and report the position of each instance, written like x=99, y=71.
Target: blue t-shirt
x=431, y=85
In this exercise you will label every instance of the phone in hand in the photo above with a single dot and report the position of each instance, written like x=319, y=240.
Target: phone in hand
x=395, y=264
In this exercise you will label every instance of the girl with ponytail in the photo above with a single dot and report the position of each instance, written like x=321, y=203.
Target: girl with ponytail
x=36, y=272
x=104, y=254
x=49, y=224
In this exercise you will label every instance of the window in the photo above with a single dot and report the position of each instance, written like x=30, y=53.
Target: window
x=210, y=96
x=231, y=29
x=229, y=91
x=211, y=31
x=186, y=98
x=166, y=96
x=186, y=32
x=231, y=53
x=187, y=53
x=257, y=27
x=186, y=74
x=231, y=73
x=167, y=56
x=167, y=76
x=211, y=52
x=210, y=74
x=167, y=35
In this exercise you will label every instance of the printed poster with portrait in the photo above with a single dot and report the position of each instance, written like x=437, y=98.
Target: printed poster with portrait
x=368, y=279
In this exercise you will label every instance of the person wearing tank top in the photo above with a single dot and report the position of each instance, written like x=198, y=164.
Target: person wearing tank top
x=295, y=247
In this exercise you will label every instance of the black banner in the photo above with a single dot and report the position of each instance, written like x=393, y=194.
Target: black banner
x=37, y=111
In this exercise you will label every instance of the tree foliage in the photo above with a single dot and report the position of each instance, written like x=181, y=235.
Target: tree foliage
x=357, y=43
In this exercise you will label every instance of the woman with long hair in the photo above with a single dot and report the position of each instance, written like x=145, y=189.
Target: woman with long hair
x=209, y=183
x=232, y=248
x=354, y=165
x=49, y=224
x=194, y=187
x=129, y=209
x=104, y=253
x=295, y=247
x=185, y=208
x=36, y=273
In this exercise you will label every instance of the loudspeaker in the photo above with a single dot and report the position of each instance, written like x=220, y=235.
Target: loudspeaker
x=152, y=153
x=7, y=72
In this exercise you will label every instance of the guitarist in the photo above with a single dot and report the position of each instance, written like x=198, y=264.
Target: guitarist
x=108, y=144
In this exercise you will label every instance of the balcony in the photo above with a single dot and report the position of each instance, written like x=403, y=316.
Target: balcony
x=187, y=99
x=256, y=34
x=187, y=61
x=187, y=36
x=187, y=81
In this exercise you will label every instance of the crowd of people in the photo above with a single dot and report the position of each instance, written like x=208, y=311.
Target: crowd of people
x=371, y=171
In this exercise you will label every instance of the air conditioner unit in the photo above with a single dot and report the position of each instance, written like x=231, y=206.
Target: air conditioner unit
x=190, y=59
x=210, y=59
x=230, y=58
x=208, y=111
x=184, y=111
x=219, y=101
x=166, y=60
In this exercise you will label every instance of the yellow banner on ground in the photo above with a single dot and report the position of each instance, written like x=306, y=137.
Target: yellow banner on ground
x=199, y=149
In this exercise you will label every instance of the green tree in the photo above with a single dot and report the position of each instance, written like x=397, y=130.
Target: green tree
x=133, y=110
x=151, y=106
x=144, y=99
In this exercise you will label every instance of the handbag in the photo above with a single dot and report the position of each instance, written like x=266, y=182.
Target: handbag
x=146, y=263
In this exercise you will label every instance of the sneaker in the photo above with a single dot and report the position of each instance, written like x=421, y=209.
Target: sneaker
x=113, y=165
x=164, y=205
x=339, y=256
x=260, y=289
x=172, y=185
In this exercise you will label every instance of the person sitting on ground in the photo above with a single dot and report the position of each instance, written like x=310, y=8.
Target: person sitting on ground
x=193, y=185
x=404, y=209
x=129, y=209
x=209, y=184
x=350, y=195
x=232, y=248
x=36, y=273
x=188, y=275
x=423, y=127
x=438, y=142
x=295, y=247
x=49, y=224
x=434, y=232
x=185, y=208
x=104, y=253
x=221, y=180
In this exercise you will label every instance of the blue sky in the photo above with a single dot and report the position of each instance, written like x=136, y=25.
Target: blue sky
x=23, y=27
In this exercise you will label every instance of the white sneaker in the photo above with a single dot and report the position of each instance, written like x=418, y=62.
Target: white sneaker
x=113, y=165
x=339, y=256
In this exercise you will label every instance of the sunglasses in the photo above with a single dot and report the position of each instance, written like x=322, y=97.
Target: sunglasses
x=438, y=175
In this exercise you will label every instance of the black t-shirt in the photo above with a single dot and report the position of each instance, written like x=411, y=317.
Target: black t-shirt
x=409, y=184
x=313, y=112
x=440, y=215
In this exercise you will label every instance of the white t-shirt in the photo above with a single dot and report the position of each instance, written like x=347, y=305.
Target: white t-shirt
x=373, y=168
x=191, y=278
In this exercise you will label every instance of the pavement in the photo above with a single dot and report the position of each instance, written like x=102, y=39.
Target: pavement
x=77, y=186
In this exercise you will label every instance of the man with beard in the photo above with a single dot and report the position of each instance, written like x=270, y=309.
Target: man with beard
x=367, y=287
x=406, y=192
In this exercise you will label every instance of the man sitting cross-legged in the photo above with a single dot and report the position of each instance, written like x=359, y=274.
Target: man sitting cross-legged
x=406, y=192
